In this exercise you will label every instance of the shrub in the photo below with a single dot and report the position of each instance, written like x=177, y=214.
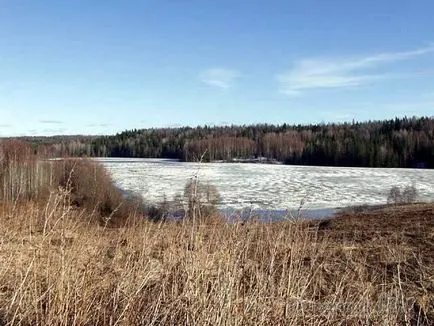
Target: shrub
x=398, y=196
x=26, y=175
x=409, y=194
x=201, y=199
x=91, y=187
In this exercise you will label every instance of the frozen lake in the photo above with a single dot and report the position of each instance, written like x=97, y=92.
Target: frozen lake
x=264, y=186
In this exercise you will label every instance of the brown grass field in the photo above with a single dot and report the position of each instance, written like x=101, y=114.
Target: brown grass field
x=58, y=267
x=64, y=263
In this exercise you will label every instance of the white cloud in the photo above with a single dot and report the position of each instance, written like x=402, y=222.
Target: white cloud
x=309, y=74
x=55, y=122
x=219, y=77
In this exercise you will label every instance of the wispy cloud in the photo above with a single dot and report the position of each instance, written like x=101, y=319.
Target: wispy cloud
x=5, y=125
x=53, y=122
x=96, y=125
x=310, y=74
x=219, y=77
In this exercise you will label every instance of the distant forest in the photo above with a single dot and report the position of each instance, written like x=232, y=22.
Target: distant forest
x=400, y=142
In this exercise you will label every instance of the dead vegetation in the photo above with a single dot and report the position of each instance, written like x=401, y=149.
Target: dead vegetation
x=26, y=175
x=59, y=268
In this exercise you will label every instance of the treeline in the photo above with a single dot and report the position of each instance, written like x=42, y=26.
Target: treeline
x=400, y=142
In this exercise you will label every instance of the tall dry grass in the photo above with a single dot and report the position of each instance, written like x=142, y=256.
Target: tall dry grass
x=59, y=268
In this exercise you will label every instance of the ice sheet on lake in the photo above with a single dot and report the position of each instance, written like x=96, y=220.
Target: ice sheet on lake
x=269, y=186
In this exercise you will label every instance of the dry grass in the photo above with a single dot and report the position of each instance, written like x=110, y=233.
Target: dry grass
x=58, y=268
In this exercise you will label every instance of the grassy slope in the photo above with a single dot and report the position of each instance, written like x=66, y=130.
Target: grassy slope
x=59, y=268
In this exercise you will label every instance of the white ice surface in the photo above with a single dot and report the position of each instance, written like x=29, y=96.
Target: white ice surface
x=268, y=186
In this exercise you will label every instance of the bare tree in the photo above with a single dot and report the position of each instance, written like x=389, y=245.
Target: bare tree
x=398, y=196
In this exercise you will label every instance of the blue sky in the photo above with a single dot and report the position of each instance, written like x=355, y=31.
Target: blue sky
x=99, y=67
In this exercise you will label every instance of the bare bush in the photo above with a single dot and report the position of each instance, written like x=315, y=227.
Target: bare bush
x=28, y=176
x=409, y=194
x=92, y=188
x=399, y=196
x=201, y=198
